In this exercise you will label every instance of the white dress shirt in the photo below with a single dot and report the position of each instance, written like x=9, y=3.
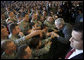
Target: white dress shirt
x=76, y=52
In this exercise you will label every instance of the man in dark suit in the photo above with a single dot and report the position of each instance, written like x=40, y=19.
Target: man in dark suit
x=76, y=43
x=66, y=30
x=60, y=44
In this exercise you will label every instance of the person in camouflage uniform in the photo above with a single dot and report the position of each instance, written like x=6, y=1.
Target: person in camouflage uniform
x=4, y=33
x=50, y=23
x=25, y=25
x=9, y=49
x=40, y=46
x=15, y=32
x=9, y=46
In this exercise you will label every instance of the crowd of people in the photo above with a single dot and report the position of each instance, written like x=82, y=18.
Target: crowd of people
x=40, y=29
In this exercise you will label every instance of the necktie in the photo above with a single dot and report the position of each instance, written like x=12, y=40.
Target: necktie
x=69, y=53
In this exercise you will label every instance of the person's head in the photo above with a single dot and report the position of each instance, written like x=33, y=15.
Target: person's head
x=14, y=28
x=24, y=52
x=35, y=16
x=60, y=9
x=80, y=11
x=11, y=14
x=8, y=20
x=19, y=17
x=3, y=17
x=8, y=46
x=59, y=23
x=4, y=32
x=44, y=13
x=50, y=19
x=42, y=18
x=8, y=9
x=26, y=18
x=76, y=41
x=51, y=13
x=55, y=17
x=35, y=42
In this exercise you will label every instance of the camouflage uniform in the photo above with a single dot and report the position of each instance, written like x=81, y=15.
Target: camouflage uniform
x=24, y=26
x=12, y=37
x=49, y=25
x=6, y=56
x=18, y=43
x=44, y=50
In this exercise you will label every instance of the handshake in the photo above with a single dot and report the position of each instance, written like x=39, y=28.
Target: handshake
x=36, y=32
x=52, y=34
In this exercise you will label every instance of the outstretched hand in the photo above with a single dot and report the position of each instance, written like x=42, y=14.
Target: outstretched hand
x=53, y=34
x=36, y=32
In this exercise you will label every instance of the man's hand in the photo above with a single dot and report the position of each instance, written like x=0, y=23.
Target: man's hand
x=54, y=34
x=21, y=34
x=48, y=34
x=48, y=43
x=44, y=30
x=36, y=32
x=55, y=30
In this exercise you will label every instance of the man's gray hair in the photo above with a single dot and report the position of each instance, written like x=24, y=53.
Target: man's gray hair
x=59, y=21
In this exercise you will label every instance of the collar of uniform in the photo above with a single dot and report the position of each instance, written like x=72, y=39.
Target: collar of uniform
x=12, y=36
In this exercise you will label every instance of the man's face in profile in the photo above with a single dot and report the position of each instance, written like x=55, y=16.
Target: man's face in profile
x=76, y=40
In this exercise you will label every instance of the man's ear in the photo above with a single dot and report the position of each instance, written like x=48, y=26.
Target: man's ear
x=14, y=30
x=61, y=25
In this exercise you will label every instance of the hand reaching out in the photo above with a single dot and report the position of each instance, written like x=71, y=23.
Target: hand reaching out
x=36, y=32
x=53, y=34
x=21, y=34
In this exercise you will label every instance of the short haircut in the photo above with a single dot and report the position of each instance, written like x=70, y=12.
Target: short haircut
x=79, y=28
x=21, y=51
x=4, y=44
x=12, y=26
x=48, y=18
x=19, y=15
x=3, y=26
x=34, y=42
x=80, y=9
x=60, y=21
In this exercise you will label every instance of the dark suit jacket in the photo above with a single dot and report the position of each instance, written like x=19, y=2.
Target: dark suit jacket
x=79, y=56
x=66, y=30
